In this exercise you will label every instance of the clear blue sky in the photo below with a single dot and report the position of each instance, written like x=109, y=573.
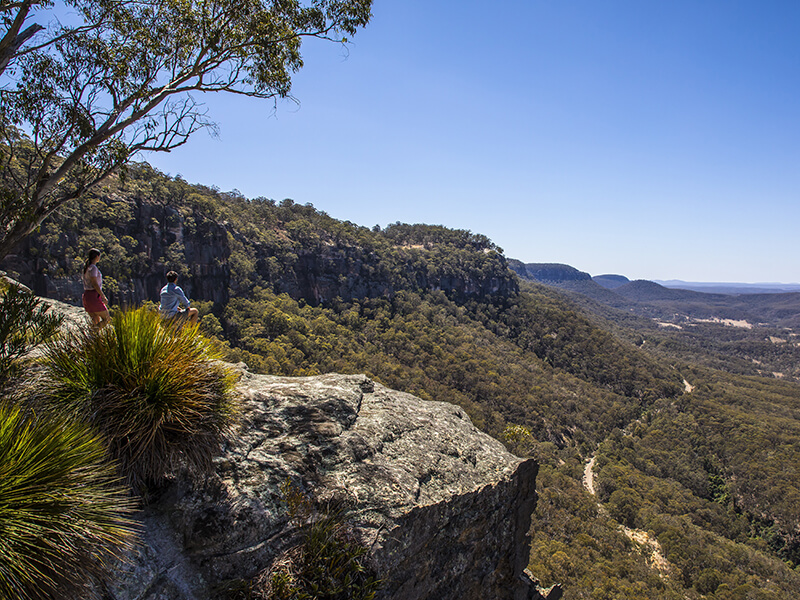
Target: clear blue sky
x=653, y=139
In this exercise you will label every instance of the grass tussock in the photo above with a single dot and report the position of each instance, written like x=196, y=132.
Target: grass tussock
x=152, y=389
x=64, y=515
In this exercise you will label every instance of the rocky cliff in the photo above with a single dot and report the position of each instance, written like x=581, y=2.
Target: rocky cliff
x=224, y=245
x=141, y=239
x=445, y=509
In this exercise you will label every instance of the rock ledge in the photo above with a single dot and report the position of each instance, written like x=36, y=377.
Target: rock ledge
x=445, y=509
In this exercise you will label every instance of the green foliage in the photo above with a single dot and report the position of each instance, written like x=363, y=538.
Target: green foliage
x=432, y=235
x=281, y=247
x=24, y=324
x=542, y=323
x=152, y=389
x=518, y=439
x=669, y=474
x=730, y=449
x=329, y=563
x=64, y=517
x=581, y=548
x=763, y=350
x=428, y=345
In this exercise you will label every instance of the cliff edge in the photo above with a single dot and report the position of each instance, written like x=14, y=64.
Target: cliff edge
x=445, y=509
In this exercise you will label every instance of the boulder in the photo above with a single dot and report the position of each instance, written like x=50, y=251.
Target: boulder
x=444, y=508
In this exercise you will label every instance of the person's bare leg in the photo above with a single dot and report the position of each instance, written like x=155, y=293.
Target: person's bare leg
x=105, y=319
x=100, y=319
x=194, y=316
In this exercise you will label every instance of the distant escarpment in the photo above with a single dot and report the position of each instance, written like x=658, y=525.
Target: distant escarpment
x=611, y=281
x=139, y=238
x=444, y=508
x=225, y=245
x=547, y=272
x=567, y=278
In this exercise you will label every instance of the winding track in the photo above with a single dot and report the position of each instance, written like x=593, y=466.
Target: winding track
x=648, y=545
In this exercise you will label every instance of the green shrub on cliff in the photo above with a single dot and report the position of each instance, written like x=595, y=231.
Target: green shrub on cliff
x=328, y=563
x=64, y=517
x=24, y=324
x=152, y=389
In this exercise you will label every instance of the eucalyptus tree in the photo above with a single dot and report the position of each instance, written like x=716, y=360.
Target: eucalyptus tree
x=126, y=79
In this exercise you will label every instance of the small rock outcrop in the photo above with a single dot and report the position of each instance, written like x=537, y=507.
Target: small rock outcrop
x=445, y=509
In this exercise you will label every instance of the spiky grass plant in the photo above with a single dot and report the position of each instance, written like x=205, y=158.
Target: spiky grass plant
x=153, y=389
x=64, y=515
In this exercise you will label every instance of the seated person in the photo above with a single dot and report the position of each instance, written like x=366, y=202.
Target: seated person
x=172, y=297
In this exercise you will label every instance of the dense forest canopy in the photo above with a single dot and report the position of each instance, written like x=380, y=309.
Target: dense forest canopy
x=691, y=449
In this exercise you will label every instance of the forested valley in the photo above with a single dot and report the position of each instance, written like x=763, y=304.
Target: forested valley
x=696, y=455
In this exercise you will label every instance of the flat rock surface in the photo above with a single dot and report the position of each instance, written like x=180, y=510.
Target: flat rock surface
x=444, y=508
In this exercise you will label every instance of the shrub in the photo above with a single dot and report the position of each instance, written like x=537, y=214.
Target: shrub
x=24, y=324
x=153, y=389
x=329, y=562
x=64, y=517
x=519, y=440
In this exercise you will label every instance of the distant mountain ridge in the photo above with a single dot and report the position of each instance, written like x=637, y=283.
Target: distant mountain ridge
x=730, y=287
x=224, y=245
x=559, y=273
x=776, y=305
x=547, y=272
x=611, y=281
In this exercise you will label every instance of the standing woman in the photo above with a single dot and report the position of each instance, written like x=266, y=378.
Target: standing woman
x=94, y=300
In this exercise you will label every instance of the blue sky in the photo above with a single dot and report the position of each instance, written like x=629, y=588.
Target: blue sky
x=657, y=140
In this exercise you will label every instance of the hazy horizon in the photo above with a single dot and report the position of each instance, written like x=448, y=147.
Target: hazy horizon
x=671, y=280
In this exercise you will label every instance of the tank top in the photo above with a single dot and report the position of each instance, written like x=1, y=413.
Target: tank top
x=92, y=272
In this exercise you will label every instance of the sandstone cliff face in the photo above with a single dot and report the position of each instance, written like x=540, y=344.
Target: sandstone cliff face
x=445, y=509
x=143, y=237
x=161, y=237
x=327, y=272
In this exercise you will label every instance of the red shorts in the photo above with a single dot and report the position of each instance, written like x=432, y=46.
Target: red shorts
x=92, y=302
